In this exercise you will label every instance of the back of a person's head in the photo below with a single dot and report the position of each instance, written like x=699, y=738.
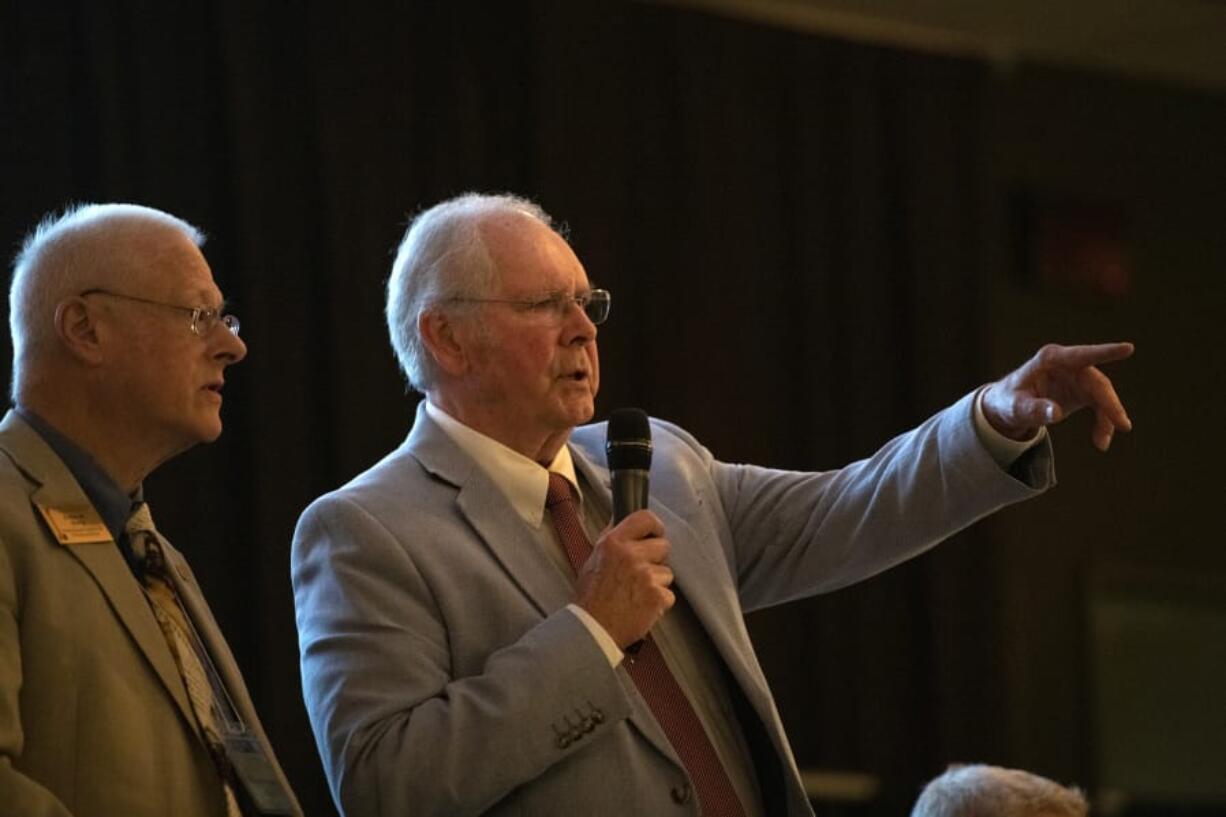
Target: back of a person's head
x=991, y=791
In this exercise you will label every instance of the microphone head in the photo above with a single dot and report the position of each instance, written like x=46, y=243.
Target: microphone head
x=628, y=446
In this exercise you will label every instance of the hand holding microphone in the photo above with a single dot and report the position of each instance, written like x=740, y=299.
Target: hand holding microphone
x=625, y=583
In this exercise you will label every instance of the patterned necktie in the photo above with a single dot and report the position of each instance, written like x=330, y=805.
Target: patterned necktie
x=655, y=681
x=179, y=636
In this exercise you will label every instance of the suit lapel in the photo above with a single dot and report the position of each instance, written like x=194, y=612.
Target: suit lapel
x=511, y=542
x=700, y=578
x=704, y=583
x=490, y=514
x=711, y=595
x=131, y=607
x=202, y=619
x=514, y=545
x=56, y=488
x=599, y=484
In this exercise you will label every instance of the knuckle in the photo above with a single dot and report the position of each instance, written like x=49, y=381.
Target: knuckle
x=618, y=548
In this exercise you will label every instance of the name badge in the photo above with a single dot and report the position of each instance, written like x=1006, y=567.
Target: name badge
x=262, y=792
x=76, y=526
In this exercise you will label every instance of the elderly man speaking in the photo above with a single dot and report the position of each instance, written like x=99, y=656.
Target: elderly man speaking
x=477, y=638
x=118, y=694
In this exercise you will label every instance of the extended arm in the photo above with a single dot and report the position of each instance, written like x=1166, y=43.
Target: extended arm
x=795, y=534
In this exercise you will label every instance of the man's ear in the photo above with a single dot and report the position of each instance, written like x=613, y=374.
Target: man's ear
x=443, y=341
x=77, y=331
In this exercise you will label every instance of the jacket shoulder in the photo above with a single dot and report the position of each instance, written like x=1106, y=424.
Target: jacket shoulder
x=669, y=441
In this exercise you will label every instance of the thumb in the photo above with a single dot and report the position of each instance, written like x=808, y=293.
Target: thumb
x=1036, y=411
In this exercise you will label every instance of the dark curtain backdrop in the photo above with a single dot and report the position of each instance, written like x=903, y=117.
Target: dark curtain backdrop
x=789, y=225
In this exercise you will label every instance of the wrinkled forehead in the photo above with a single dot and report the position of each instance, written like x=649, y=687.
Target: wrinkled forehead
x=527, y=255
x=161, y=262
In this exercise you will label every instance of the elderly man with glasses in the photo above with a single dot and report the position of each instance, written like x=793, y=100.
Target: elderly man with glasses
x=118, y=694
x=479, y=636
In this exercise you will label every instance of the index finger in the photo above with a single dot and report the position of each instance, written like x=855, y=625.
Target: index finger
x=640, y=525
x=1079, y=357
x=655, y=549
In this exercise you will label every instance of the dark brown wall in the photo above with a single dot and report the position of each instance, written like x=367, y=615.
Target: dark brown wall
x=1143, y=523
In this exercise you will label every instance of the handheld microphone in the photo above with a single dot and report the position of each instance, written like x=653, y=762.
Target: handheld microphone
x=628, y=449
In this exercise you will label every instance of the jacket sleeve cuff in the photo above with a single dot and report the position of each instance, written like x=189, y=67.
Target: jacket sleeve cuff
x=607, y=645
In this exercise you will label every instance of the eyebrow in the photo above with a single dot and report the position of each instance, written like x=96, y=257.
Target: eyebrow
x=547, y=294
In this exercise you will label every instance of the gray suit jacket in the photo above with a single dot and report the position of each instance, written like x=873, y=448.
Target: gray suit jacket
x=94, y=717
x=439, y=665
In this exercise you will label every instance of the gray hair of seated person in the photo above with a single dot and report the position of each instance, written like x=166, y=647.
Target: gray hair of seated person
x=992, y=791
x=443, y=257
x=63, y=256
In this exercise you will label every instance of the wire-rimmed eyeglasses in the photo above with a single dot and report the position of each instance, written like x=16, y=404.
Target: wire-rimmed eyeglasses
x=203, y=318
x=595, y=304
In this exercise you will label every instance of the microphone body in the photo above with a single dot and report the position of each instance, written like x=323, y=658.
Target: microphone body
x=630, y=486
x=628, y=449
x=628, y=452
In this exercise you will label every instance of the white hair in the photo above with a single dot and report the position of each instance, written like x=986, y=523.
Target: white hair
x=61, y=258
x=443, y=257
x=992, y=791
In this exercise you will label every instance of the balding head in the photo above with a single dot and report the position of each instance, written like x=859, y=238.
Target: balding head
x=443, y=256
x=86, y=247
x=992, y=791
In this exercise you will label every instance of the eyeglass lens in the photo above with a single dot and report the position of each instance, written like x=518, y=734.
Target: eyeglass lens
x=597, y=306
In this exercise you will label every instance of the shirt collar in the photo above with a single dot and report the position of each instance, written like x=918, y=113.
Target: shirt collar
x=520, y=479
x=111, y=502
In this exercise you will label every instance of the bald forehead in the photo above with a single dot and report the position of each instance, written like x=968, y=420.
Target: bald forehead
x=509, y=227
x=138, y=253
x=519, y=240
x=112, y=240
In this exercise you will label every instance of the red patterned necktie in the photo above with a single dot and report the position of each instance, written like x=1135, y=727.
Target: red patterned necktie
x=655, y=681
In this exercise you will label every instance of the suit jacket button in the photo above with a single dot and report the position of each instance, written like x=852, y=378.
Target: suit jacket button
x=681, y=794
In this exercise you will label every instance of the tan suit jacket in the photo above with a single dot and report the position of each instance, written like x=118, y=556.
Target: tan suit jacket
x=94, y=717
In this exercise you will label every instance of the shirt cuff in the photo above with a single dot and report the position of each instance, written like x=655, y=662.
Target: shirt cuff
x=607, y=645
x=1002, y=449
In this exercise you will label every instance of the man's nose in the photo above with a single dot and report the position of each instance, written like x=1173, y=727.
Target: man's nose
x=231, y=348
